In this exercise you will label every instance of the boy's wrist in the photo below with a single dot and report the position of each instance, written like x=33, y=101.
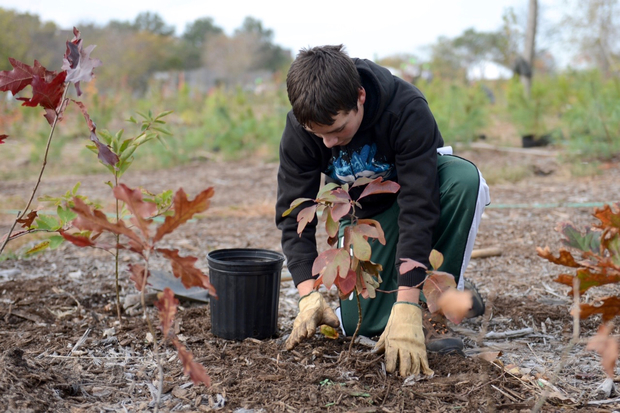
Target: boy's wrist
x=305, y=287
x=408, y=294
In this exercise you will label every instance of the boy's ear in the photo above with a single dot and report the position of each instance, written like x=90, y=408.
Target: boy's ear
x=361, y=95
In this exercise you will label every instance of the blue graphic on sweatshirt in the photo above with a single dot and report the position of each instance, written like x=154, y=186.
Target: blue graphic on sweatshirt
x=346, y=168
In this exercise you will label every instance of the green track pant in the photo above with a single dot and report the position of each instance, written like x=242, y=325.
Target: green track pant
x=459, y=188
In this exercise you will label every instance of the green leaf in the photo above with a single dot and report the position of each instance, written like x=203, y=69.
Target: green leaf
x=132, y=119
x=127, y=153
x=590, y=241
x=162, y=130
x=56, y=241
x=124, y=145
x=166, y=113
x=110, y=184
x=163, y=142
x=75, y=188
x=65, y=215
x=47, y=223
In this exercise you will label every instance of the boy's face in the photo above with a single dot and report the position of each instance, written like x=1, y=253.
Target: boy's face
x=345, y=125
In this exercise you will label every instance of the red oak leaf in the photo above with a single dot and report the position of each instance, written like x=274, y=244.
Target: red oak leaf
x=184, y=210
x=167, y=305
x=46, y=94
x=77, y=240
x=105, y=155
x=2, y=138
x=20, y=77
x=183, y=268
x=194, y=370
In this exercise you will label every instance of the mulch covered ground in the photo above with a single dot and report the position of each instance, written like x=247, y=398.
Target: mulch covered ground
x=63, y=349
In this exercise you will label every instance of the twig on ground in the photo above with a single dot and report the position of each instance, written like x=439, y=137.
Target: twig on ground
x=509, y=334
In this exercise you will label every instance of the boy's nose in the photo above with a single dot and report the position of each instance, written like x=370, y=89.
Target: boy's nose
x=329, y=141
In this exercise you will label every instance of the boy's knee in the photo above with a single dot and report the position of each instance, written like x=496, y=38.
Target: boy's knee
x=458, y=176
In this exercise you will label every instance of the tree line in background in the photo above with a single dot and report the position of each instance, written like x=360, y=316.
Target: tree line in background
x=573, y=107
x=135, y=50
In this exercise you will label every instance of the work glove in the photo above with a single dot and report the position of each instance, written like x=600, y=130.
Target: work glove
x=313, y=312
x=403, y=341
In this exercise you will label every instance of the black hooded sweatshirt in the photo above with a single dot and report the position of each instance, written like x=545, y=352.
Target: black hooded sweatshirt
x=397, y=140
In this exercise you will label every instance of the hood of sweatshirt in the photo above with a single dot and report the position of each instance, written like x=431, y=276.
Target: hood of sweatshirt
x=379, y=84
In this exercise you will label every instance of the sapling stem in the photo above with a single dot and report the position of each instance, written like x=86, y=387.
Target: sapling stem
x=359, y=321
x=116, y=253
x=160, y=368
x=36, y=186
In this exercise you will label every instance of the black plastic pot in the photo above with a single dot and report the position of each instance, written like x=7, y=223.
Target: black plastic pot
x=247, y=282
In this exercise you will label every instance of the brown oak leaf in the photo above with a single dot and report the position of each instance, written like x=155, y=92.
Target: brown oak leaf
x=607, y=347
x=193, y=369
x=167, y=305
x=184, y=210
x=184, y=269
x=141, y=210
x=138, y=275
x=28, y=219
x=609, y=309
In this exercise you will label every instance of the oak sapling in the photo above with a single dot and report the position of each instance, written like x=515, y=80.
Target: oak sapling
x=49, y=91
x=594, y=255
x=142, y=240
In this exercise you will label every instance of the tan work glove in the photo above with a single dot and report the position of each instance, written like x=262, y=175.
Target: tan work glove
x=313, y=312
x=403, y=341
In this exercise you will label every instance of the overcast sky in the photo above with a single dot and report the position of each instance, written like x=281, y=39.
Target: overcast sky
x=368, y=29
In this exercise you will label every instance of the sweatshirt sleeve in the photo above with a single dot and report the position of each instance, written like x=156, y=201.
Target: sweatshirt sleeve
x=416, y=139
x=299, y=176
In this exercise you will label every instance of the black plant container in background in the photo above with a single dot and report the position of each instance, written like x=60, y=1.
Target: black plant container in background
x=247, y=283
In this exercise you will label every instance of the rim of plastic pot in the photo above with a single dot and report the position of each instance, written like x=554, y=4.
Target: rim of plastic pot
x=244, y=257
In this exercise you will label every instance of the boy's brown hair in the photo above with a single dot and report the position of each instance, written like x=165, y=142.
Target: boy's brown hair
x=321, y=82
